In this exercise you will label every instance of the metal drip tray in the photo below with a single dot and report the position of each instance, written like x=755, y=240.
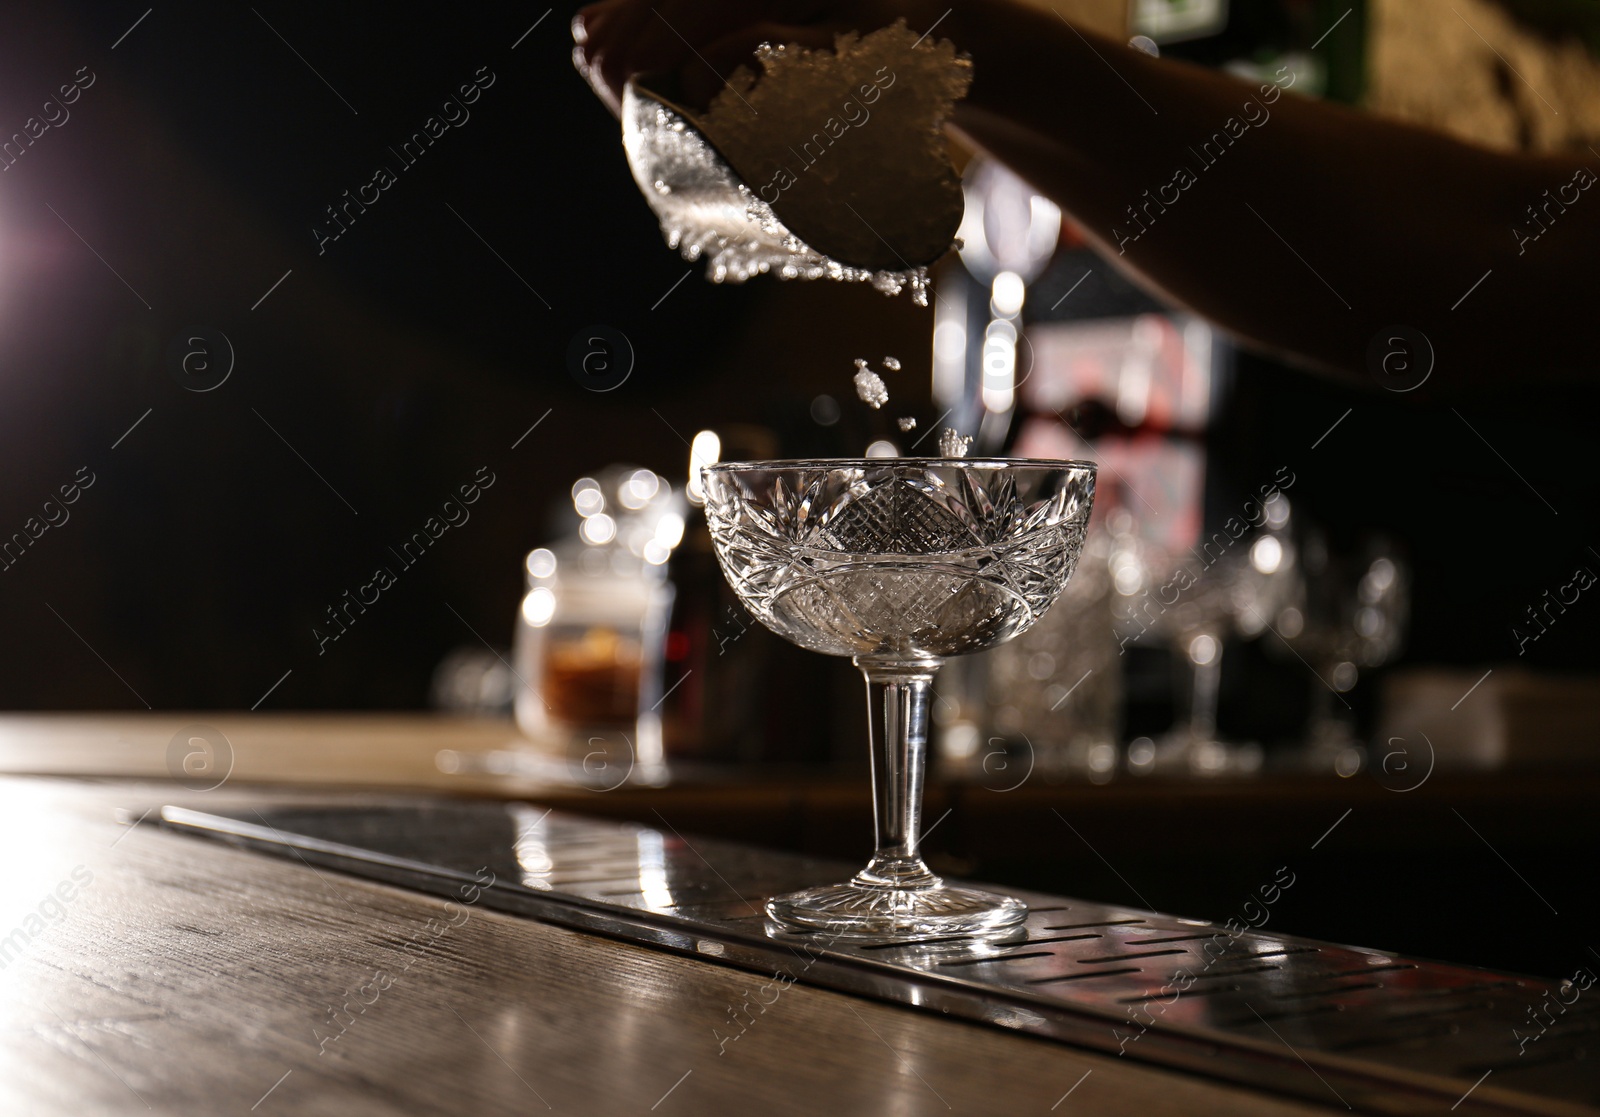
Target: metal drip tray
x=1337, y=1025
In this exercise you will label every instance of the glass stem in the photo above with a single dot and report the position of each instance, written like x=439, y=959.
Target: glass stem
x=897, y=710
x=1203, y=702
x=1324, y=724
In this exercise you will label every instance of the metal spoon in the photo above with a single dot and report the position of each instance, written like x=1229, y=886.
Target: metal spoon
x=797, y=187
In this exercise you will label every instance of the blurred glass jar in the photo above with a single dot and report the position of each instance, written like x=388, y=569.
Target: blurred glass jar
x=591, y=630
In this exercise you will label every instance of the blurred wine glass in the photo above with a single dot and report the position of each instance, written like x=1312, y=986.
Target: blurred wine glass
x=1197, y=600
x=1347, y=613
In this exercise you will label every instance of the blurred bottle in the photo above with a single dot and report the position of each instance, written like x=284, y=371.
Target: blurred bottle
x=1321, y=42
x=735, y=692
x=702, y=714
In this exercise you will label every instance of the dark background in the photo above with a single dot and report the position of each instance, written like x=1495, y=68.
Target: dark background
x=395, y=364
x=410, y=354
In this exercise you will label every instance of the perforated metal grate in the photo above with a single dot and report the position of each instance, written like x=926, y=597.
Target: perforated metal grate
x=1332, y=1024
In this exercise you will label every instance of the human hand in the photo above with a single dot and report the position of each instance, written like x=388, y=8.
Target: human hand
x=703, y=41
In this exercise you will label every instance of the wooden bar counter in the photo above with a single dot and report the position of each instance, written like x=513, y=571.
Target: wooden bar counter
x=142, y=970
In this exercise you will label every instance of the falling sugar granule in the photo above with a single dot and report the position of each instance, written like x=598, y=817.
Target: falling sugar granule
x=870, y=388
x=907, y=424
x=952, y=445
x=891, y=364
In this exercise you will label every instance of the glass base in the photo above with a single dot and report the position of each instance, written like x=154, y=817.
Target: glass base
x=1185, y=753
x=864, y=913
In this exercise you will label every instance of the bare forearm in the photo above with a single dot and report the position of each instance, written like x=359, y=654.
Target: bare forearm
x=1306, y=227
x=1301, y=225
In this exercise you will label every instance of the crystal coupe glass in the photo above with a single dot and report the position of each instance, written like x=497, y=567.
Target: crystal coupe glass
x=898, y=563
